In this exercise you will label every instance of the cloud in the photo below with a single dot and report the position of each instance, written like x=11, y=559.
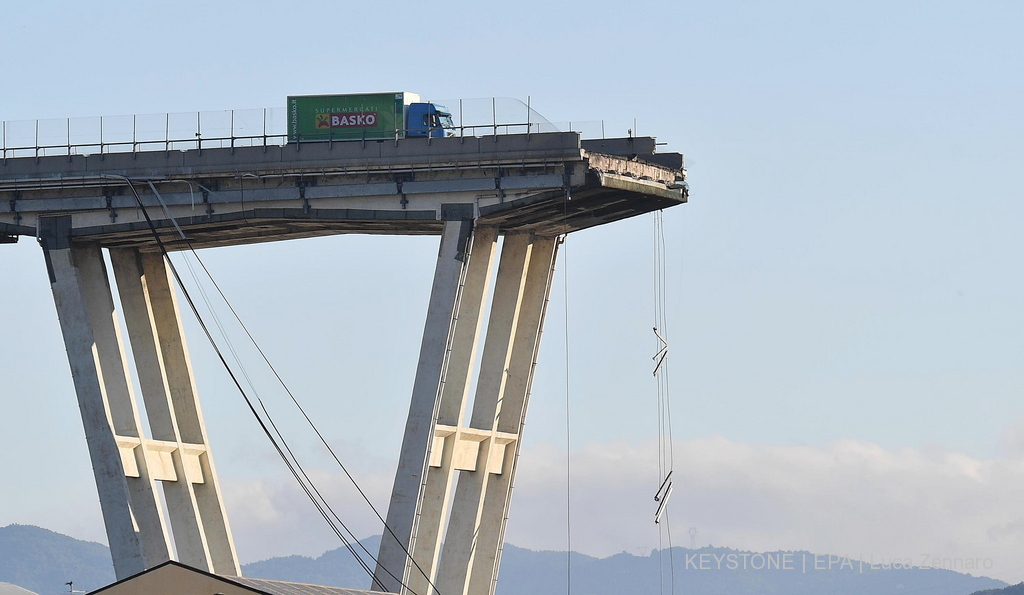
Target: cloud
x=273, y=517
x=846, y=497
x=1011, y=441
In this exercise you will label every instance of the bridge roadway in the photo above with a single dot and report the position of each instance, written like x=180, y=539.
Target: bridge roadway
x=227, y=196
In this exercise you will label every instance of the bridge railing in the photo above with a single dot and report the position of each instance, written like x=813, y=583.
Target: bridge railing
x=149, y=132
x=507, y=115
x=241, y=128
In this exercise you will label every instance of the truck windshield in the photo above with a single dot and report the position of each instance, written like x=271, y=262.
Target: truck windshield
x=444, y=117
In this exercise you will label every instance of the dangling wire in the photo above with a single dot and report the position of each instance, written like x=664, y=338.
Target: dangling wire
x=666, y=457
x=302, y=411
x=568, y=442
x=275, y=436
x=568, y=435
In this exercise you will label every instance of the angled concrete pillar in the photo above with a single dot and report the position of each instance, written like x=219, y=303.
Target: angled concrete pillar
x=510, y=416
x=452, y=262
x=131, y=510
x=179, y=445
x=482, y=452
x=458, y=557
x=437, y=489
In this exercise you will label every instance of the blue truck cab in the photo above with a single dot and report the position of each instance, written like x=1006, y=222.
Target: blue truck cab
x=428, y=120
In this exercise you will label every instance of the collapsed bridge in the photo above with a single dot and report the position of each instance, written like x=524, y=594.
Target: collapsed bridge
x=529, y=189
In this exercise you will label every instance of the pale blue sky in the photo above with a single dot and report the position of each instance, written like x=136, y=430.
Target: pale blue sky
x=847, y=268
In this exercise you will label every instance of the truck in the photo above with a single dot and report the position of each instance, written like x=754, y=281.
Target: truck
x=365, y=116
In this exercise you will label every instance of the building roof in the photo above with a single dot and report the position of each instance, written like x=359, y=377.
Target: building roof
x=179, y=579
x=285, y=588
x=9, y=589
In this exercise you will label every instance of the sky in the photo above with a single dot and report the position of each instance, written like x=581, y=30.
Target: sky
x=843, y=293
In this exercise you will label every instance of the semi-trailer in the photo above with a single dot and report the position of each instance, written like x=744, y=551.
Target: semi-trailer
x=365, y=116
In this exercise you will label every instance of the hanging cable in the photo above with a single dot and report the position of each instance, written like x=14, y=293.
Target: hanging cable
x=671, y=558
x=273, y=369
x=668, y=402
x=568, y=442
x=292, y=465
x=666, y=456
x=309, y=421
x=321, y=498
x=223, y=361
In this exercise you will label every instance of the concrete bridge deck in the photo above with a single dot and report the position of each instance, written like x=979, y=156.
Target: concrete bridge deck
x=410, y=186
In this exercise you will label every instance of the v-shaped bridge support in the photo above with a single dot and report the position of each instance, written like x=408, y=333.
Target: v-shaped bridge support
x=128, y=465
x=440, y=444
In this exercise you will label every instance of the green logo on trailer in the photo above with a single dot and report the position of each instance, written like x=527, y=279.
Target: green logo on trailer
x=340, y=117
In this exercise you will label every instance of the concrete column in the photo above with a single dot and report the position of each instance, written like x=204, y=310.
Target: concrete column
x=419, y=430
x=511, y=415
x=84, y=304
x=194, y=502
x=436, y=491
x=457, y=556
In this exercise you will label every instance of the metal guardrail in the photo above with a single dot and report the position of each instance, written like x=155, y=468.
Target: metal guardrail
x=238, y=128
x=153, y=132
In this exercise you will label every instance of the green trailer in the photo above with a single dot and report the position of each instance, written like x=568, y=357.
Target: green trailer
x=362, y=116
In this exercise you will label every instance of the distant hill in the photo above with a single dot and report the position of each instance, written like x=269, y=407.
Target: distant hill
x=722, y=571
x=1017, y=589
x=707, y=571
x=335, y=568
x=43, y=561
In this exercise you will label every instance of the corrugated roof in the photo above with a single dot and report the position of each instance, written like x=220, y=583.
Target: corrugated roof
x=285, y=588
